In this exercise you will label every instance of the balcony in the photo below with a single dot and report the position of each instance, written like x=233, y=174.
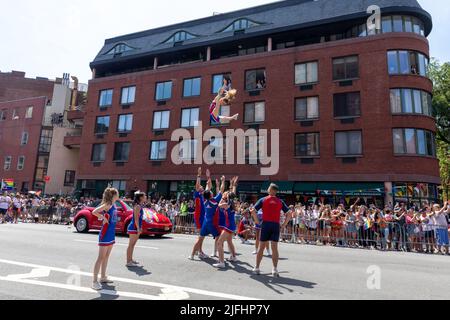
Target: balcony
x=76, y=114
x=73, y=139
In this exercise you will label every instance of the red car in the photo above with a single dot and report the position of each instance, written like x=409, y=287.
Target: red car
x=152, y=224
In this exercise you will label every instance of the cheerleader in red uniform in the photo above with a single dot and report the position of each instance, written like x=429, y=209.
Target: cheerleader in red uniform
x=224, y=97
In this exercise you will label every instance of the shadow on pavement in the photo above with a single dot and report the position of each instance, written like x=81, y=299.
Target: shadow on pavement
x=140, y=271
x=109, y=296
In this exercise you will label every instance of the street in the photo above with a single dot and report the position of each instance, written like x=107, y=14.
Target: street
x=53, y=262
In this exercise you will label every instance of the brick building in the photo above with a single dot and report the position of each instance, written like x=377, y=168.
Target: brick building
x=14, y=86
x=352, y=103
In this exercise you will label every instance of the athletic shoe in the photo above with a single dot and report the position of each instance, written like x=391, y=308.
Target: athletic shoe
x=255, y=252
x=246, y=242
x=131, y=265
x=106, y=281
x=213, y=255
x=97, y=286
x=275, y=273
x=232, y=259
x=201, y=255
x=136, y=263
x=219, y=265
x=191, y=257
x=256, y=271
x=268, y=253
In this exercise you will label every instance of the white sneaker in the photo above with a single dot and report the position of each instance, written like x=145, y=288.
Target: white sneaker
x=232, y=259
x=213, y=255
x=275, y=273
x=256, y=271
x=97, y=286
x=219, y=265
x=131, y=265
x=254, y=252
x=268, y=253
x=246, y=242
x=191, y=258
x=201, y=255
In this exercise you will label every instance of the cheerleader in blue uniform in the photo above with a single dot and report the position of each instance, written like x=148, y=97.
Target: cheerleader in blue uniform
x=135, y=227
x=107, y=213
x=228, y=225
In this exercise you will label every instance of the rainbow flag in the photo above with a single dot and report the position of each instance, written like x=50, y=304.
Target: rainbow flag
x=7, y=184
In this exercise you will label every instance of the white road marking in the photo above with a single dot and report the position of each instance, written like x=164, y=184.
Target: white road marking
x=35, y=273
x=84, y=289
x=138, y=282
x=119, y=244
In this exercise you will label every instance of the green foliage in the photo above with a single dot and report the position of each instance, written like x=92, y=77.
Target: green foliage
x=440, y=75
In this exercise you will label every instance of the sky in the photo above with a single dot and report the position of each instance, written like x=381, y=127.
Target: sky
x=50, y=37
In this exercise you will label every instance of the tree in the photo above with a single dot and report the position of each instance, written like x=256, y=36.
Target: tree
x=440, y=75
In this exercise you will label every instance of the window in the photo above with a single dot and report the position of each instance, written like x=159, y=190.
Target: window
x=307, y=144
x=217, y=82
x=407, y=62
x=254, y=112
x=15, y=115
x=411, y=101
x=255, y=79
x=45, y=141
x=120, y=185
x=224, y=111
x=29, y=112
x=125, y=123
x=347, y=105
x=218, y=148
x=41, y=170
x=180, y=36
x=307, y=109
x=188, y=149
x=69, y=178
x=346, y=68
x=20, y=163
x=121, y=151
x=7, y=164
x=102, y=125
x=348, y=143
x=163, y=90
x=241, y=24
x=106, y=97
x=306, y=73
x=414, y=142
x=158, y=150
x=24, y=139
x=402, y=24
x=161, y=120
x=98, y=152
x=120, y=48
x=192, y=87
x=128, y=95
x=189, y=117
x=3, y=114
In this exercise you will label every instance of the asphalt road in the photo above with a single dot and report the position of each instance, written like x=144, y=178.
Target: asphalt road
x=55, y=263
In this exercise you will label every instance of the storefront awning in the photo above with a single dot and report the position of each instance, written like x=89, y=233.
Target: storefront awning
x=286, y=187
x=339, y=188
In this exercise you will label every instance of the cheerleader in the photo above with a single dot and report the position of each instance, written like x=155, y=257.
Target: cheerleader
x=107, y=213
x=224, y=97
x=227, y=225
x=135, y=226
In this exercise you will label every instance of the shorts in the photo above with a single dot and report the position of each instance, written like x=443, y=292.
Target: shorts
x=3, y=211
x=442, y=237
x=132, y=228
x=209, y=229
x=270, y=231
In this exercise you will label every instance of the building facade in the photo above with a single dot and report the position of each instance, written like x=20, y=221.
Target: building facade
x=15, y=86
x=33, y=133
x=352, y=104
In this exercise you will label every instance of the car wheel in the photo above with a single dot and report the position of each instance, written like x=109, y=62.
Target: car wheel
x=82, y=225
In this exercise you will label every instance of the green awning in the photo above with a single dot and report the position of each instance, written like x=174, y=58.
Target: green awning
x=339, y=188
x=286, y=187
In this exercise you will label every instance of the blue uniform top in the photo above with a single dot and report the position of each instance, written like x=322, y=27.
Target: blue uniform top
x=133, y=226
x=211, y=206
x=107, y=234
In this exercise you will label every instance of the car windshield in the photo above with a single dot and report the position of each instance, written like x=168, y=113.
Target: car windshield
x=127, y=206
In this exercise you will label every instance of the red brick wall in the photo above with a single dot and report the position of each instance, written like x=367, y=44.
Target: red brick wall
x=10, y=139
x=377, y=164
x=14, y=86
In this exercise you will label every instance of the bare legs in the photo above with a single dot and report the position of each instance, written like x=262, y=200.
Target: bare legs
x=131, y=245
x=102, y=262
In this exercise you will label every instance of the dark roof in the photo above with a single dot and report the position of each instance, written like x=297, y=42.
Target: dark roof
x=273, y=17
